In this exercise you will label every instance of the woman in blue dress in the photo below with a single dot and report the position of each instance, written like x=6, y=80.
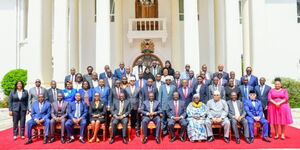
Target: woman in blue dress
x=69, y=92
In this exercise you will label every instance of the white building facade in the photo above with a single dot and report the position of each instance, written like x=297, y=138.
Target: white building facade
x=48, y=37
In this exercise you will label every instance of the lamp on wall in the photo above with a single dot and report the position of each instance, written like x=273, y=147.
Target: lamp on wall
x=147, y=3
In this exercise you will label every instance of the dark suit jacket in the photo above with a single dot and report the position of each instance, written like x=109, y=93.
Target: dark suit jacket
x=134, y=98
x=90, y=94
x=14, y=102
x=181, y=109
x=241, y=109
x=51, y=96
x=68, y=77
x=243, y=94
x=113, y=80
x=194, y=81
x=118, y=74
x=252, y=82
x=145, y=93
x=43, y=114
x=113, y=95
x=104, y=94
x=263, y=97
x=100, y=110
x=189, y=97
x=203, y=92
x=116, y=108
x=225, y=75
x=54, y=109
x=145, y=109
x=137, y=83
x=72, y=110
x=178, y=85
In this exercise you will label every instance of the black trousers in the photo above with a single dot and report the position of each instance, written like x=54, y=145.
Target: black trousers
x=135, y=120
x=19, y=116
x=115, y=122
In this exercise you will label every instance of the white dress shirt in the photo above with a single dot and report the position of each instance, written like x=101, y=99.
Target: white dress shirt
x=20, y=94
x=236, y=109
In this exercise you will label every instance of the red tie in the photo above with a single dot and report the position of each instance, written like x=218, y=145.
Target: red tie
x=203, y=82
x=176, y=109
x=118, y=92
x=39, y=91
x=141, y=83
x=185, y=92
x=219, y=83
x=190, y=84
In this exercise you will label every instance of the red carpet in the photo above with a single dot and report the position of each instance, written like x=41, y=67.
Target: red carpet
x=292, y=141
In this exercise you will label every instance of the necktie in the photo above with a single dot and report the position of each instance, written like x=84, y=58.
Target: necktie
x=246, y=92
x=54, y=94
x=190, y=83
x=176, y=109
x=177, y=83
x=185, y=92
x=118, y=92
x=121, y=108
x=151, y=107
x=77, y=115
x=39, y=91
x=141, y=83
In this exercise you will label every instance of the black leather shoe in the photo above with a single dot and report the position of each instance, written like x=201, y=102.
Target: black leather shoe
x=52, y=140
x=251, y=140
x=145, y=140
x=112, y=140
x=45, y=140
x=247, y=140
x=182, y=139
x=226, y=140
x=238, y=140
x=125, y=141
x=71, y=140
x=210, y=139
x=62, y=140
x=266, y=139
x=81, y=141
x=28, y=141
x=157, y=140
x=173, y=139
x=138, y=133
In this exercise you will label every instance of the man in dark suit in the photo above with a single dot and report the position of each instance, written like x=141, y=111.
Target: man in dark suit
x=221, y=70
x=207, y=74
x=109, y=80
x=140, y=82
x=192, y=80
x=245, y=89
x=52, y=92
x=151, y=110
x=252, y=80
x=176, y=114
x=236, y=82
x=185, y=93
x=77, y=112
x=59, y=115
x=40, y=115
x=222, y=81
x=115, y=92
x=237, y=116
x=71, y=76
x=254, y=112
x=177, y=80
x=206, y=81
x=201, y=89
x=120, y=72
x=120, y=112
x=134, y=96
x=88, y=77
x=103, y=75
x=262, y=91
x=104, y=92
x=155, y=69
x=149, y=89
x=35, y=91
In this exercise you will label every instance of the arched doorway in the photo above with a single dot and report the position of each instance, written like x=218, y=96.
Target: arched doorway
x=147, y=58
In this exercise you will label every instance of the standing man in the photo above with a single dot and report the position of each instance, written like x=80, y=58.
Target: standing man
x=52, y=92
x=252, y=80
x=207, y=74
x=34, y=92
x=237, y=116
x=221, y=69
x=103, y=75
x=155, y=69
x=176, y=114
x=165, y=95
x=115, y=92
x=94, y=80
x=158, y=83
x=120, y=72
x=216, y=87
x=222, y=81
x=120, y=111
x=185, y=93
x=236, y=81
x=109, y=80
x=104, y=92
x=40, y=115
x=151, y=110
x=128, y=73
x=140, y=68
x=89, y=77
x=186, y=73
x=245, y=89
x=77, y=113
x=192, y=80
x=71, y=76
x=141, y=82
x=149, y=89
x=177, y=80
x=206, y=81
x=59, y=115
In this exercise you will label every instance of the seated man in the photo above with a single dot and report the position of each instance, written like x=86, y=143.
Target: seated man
x=254, y=112
x=237, y=116
x=59, y=115
x=217, y=113
x=176, y=114
x=120, y=111
x=151, y=109
x=77, y=113
x=40, y=114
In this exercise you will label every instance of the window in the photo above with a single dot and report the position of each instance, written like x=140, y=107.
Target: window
x=241, y=11
x=181, y=10
x=298, y=11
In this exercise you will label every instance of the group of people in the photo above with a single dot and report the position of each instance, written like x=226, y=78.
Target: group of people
x=152, y=94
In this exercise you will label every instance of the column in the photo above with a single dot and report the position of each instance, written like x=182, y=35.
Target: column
x=177, y=52
x=246, y=33
x=118, y=34
x=220, y=32
x=191, y=34
x=60, y=50
x=74, y=34
x=103, y=51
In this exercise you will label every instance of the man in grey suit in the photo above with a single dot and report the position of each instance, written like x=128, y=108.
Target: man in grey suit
x=52, y=92
x=115, y=92
x=134, y=96
x=35, y=91
x=215, y=87
x=88, y=76
x=109, y=81
x=155, y=69
x=232, y=76
x=237, y=116
x=120, y=112
x=164, y=96
x=176, y=114
x=59, y=114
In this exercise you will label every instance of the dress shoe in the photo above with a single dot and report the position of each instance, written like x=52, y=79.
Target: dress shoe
x=182, y=139
x=157, y=140
x=15, y=138
x=45, y=140
x=226, y=139
x=23, y=137
x=28, y=141
x=251, y=140
x=266, y=139
x=125, y=141
x=210, y=139
x=137, y=133
x=173, y=139
x=238, y=140
x=62, y=140
x=247, y=140
x=112, y=140
x=81, y=140
x=52, y=140
x=270, y=136
x=145, y=140
x=71, y=140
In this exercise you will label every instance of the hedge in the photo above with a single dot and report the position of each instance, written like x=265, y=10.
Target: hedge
x=10, y=78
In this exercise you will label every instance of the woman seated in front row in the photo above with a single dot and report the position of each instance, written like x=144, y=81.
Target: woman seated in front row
x=97, y=116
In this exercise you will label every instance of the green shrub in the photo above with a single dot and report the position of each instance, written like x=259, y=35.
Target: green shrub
x=10, y=78
x=293, y=88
